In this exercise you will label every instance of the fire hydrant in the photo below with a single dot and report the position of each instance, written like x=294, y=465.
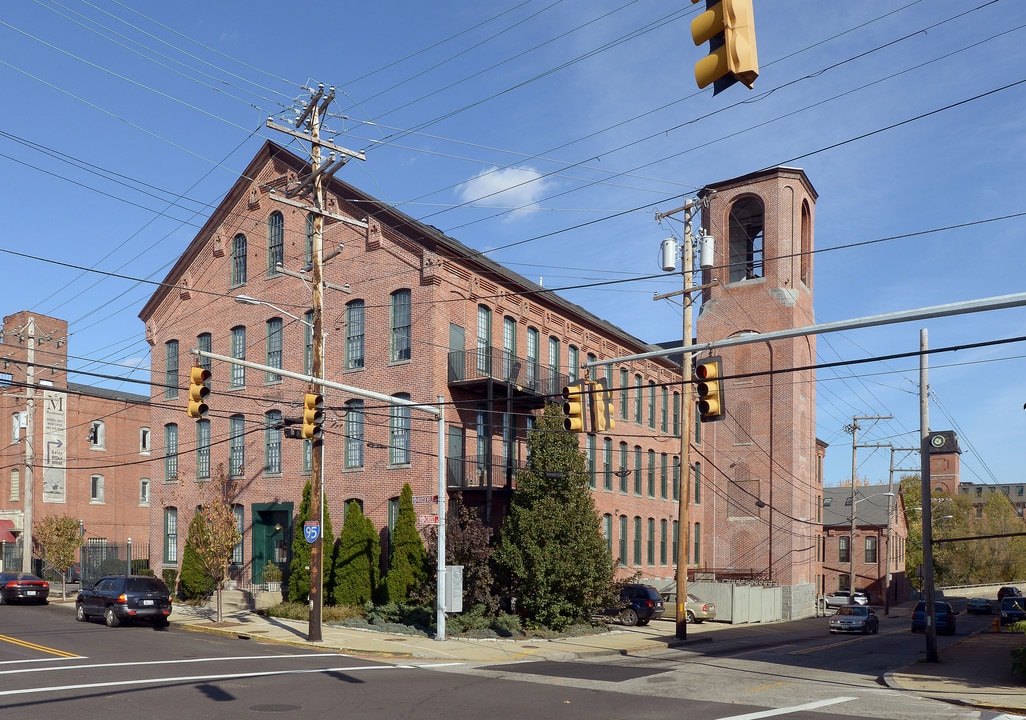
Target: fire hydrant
x=995, y=626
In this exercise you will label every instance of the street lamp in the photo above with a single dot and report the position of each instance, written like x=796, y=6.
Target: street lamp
x=317, y=461
x=853, y=502
x=247, y=300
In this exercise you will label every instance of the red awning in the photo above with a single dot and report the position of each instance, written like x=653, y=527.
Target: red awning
x=5, y=531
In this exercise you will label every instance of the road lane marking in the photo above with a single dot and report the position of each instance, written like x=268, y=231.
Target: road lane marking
x=758, y=715
x=163, y=662
x=189, y=678
x=33, y=646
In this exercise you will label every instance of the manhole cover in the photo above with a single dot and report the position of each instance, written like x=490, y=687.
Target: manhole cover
x=274, y=707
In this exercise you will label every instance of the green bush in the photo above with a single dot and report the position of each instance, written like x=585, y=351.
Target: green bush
x=170, y=575
x=478, y=623
x=417, y=616
x=1019, y=660
x=301, y=611
x=196, y=583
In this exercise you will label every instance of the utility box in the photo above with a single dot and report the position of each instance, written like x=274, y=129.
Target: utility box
x=454, y=588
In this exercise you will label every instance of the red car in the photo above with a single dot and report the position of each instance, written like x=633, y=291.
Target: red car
x=23, y=587
x=1009, y=591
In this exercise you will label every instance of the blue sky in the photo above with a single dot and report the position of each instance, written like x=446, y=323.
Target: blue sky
x=562, y=126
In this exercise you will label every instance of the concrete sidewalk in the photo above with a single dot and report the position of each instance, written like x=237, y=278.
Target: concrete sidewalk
x=975, y=671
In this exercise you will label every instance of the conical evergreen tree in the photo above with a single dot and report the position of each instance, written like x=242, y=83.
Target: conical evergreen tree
x=551, y=553
x=299, y=568
x=358, y=561
x=407, y=568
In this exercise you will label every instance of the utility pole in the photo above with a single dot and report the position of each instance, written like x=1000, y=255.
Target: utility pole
x=854, y=428
x=683, y=502
x=927, y=500
x=313, y=185
x=891, y=510
x=30, y=430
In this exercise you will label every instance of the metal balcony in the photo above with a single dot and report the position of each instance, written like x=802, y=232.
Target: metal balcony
x=526, y=382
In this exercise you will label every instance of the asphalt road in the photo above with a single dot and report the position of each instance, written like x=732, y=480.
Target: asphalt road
x=52, y=666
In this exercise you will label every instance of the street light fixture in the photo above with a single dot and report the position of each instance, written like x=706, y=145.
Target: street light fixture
x=853, y=502
x=247, y=300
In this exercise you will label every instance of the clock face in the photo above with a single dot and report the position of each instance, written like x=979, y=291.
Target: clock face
x=937, y=441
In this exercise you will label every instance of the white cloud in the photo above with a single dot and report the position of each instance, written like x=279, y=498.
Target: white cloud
x=515, y=189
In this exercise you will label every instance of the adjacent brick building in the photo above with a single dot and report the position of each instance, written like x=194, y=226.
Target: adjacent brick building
x=89, y=455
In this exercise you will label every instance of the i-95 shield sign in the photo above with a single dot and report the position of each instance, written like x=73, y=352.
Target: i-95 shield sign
x=311, y=530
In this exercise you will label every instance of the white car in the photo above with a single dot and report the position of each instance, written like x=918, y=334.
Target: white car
x=840, y=599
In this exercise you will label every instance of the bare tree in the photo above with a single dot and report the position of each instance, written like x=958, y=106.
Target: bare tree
x=59, y=537
x=215, y=535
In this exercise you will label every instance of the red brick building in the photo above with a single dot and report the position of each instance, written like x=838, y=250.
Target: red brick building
x=88, y=454
x=876, y=552
x=757, y=484
x=424, y=316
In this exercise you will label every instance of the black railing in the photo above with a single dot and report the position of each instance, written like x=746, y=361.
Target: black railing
x=497, y=364
x=473, y=472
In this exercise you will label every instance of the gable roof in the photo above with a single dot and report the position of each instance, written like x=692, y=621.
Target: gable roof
x=870, y=505
x=430, y=237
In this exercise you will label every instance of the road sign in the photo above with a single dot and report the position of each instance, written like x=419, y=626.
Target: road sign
x=424, y=499
x=428, y=519
x=311, y=530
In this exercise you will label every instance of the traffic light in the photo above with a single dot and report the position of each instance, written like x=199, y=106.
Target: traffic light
x=729, y=28
x=602, y=409
x=575, y=398
x=313, y=416
x=709, y=388
x=199, y=388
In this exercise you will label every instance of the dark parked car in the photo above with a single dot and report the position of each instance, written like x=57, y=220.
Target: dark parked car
x=1009, y=591
x=944, y=616
x=855, y=618
x=121, y=598
x=23, y=587
x=978, y=606
x=639, y=604
x=1013, y=609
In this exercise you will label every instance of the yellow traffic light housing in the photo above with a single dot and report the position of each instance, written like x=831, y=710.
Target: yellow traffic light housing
x=709, y=388
x=313, y=416
x=199, y=388
x=729, y=28
x=575, y=398
x=602, y=409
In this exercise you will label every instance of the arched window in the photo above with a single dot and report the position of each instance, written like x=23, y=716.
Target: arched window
x=400, y=326
x=203, y=449
x=747, y=219
x=354, y=434
x=354, y=334
x=171, y=369
x=274, y=348
x=236, y=445
x=239, y=260
x=806, y=230
x=399, y=433
x=170, y=536
x=622, y=559
x=238, y=376
x=484, y=341
x=272, y=442
x=275, y=242
x=170, y=452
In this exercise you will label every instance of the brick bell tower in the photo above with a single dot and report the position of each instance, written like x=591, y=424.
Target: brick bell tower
x=760, y=493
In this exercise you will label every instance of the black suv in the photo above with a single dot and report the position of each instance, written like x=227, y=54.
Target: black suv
x=638, y=605
x=121, y=598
